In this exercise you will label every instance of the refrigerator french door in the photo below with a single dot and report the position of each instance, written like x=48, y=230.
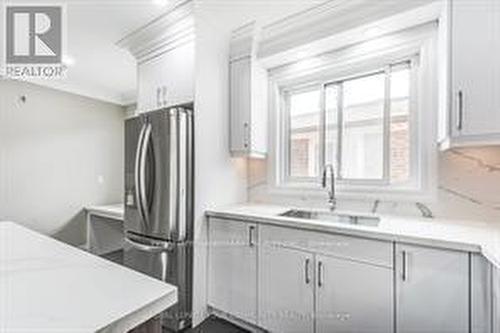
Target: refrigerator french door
x=159, y=202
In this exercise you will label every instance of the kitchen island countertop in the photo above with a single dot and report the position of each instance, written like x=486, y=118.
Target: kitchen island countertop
x=49, y=286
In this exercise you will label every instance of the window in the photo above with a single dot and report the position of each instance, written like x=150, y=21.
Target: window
x=360, y=124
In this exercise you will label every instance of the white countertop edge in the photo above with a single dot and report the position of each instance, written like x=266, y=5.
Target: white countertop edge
x=115, y=211
x=142, y=315
x=364, y=232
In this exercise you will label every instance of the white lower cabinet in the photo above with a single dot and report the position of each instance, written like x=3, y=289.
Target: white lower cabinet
x=309, y=282
x=481, y=294
x=296, y=281
x=496, y=300
x=432, y=290
x=353, y=297
x=286, y=290
x=232, y=276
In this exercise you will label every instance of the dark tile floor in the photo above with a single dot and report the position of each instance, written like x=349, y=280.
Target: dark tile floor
x=216, y=325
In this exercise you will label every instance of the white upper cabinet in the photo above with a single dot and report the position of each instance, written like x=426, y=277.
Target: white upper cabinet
x=432, y=290
x=475, y=72
x=164, y=50
x=248, y=96
x=167, y=79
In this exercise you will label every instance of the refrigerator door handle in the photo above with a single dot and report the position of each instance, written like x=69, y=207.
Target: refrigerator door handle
x=149, y=248
x=137, y=173
x=143, y=204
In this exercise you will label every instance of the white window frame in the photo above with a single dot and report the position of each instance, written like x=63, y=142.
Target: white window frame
x=420, y=43
x=286, y=177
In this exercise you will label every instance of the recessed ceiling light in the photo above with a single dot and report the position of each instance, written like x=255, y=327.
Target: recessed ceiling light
x=160, y=2
x=68, y=61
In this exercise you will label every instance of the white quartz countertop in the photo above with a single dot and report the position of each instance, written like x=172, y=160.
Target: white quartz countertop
x=470, y=236
x=49, y=286
x=115, y=211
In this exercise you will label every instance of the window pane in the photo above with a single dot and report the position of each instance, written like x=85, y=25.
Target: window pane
x=304, y=133
x=400, y=125
x=363, y=128
x=331, y=121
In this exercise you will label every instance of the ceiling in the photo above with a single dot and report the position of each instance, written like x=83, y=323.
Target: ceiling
x=101, y=69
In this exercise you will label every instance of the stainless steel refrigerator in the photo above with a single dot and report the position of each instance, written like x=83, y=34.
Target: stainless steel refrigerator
x=159, y=203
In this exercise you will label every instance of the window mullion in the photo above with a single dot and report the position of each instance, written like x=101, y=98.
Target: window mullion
x=340, y=128
x=387, y=125
x=322, y=131
x=288, y=136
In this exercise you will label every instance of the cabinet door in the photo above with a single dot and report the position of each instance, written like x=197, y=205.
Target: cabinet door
x=353, y=297
x=432, y=290
x=240, y=96
x=481, y=294
x=286, y=290
x=475, y=67
x=167, y=79
x=147, y=84
x=496, y=299
x=233, y=268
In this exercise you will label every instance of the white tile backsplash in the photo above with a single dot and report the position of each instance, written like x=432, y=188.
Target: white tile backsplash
x=468, y=188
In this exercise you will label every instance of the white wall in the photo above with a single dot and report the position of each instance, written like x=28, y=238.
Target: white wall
x=219, y=179
x=59, y=152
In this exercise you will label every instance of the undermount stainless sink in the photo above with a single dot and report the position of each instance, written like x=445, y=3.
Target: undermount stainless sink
x=371, y=221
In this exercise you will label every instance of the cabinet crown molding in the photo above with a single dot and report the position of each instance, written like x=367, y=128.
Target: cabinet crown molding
x=166, y=32
x=316, y=30
x=244, y=41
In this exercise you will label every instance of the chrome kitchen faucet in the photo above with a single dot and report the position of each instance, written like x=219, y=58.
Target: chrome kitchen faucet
x=330, y=171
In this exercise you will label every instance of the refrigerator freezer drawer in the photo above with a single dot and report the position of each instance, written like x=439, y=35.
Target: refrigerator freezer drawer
x=171, y=263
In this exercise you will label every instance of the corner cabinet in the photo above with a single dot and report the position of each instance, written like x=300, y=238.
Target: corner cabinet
x=232, y=268
x=432, y=290
x=475, y=72
x=248, y=96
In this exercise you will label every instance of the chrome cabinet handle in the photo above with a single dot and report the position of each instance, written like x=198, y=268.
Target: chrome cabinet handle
x=320, y=274
x=308, y=277
x=251, y=231
x=460, y=110
x=246, y=134
x=404, y=268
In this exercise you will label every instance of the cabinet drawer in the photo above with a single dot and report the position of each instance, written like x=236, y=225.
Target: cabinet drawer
x=347, y=247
